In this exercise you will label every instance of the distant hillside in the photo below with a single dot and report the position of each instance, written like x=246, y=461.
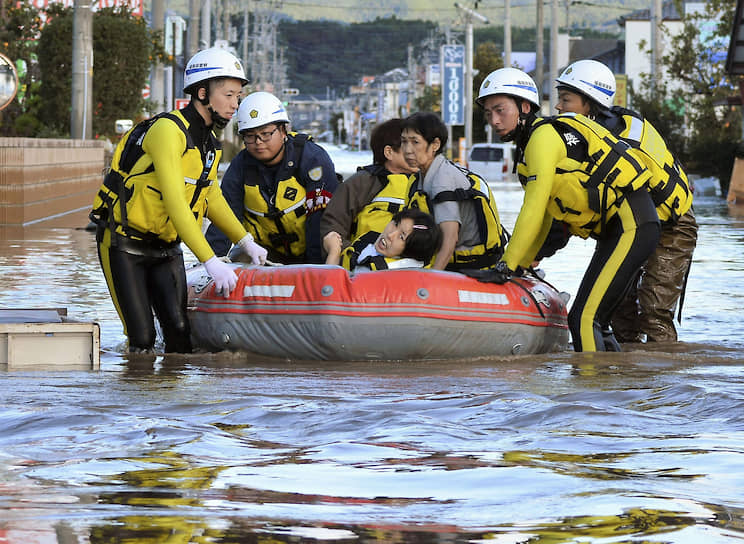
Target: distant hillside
x=331, y=44
x=325, y=55
x=600, y=14
x=581, y=14
x=329, y=55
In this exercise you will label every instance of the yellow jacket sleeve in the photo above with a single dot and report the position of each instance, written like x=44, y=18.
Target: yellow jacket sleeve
x=545, y=149
x=164, y=143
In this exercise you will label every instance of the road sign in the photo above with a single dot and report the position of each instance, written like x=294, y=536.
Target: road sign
x=146, y=91
x=182, y=103
x=453, y=84
x=175, y=27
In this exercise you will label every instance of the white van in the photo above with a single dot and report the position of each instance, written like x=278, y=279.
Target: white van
x=493, y=162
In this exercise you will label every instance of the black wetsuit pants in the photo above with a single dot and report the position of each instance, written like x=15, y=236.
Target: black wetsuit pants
x=629, y=237
x=144, y=279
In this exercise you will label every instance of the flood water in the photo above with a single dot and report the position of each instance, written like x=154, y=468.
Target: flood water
x=641, y=446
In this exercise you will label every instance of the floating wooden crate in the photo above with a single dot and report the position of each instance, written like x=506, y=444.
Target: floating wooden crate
x=36, y=339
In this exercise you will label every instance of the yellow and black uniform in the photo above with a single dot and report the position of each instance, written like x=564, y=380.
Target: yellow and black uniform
x=452, y=193
x=281, y=205
x=649, y=306
x=576, y=171
x=352, y=255
x=669, y=186
x=156, y=194
x=396, y=193
x=366, y=202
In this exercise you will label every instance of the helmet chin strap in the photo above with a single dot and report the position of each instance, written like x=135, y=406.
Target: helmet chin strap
x=518, y=133
x=217, y=120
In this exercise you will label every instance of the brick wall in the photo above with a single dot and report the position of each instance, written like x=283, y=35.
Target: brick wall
x=43, y=179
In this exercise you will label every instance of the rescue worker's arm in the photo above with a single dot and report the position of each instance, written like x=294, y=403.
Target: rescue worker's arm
x=232, y=190
x=545, y=149
x=339, y=214
x=319, y=176
x=349, y=198
x=450, y=235
x=164, y=143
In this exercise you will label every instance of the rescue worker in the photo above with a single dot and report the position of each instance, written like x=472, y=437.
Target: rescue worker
x=160, y=186
x=588, y=87
x=573, y=170
x=369, y=199
x=461, y=201
x=278, y=186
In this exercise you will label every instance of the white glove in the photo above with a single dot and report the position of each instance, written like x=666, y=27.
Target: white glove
x=223, y=275
x=256, y=252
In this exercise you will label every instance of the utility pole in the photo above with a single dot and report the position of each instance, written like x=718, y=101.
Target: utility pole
x=268, y=69
x=411, y=94
x=193, y=30
x=226, y=26
x=540, y=50
x=206, y=24
x=82, y=71
x=469, y=15
x=157, y=79
x=468, y=86
x=244, y=38
x=553, y=54
x=507, y=34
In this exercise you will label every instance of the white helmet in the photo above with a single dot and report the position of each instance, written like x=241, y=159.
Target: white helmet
x=259, y=109
x=590, y=78
x=509, y=81
x=211, y=63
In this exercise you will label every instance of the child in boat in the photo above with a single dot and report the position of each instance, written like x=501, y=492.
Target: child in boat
x=409, y=240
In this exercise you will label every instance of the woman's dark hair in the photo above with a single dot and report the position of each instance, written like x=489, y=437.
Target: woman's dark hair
x=595, y=109
x=383, y=135
x=425, y=238
x=429, y=125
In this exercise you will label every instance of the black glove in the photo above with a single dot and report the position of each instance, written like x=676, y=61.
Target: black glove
x=500, y=273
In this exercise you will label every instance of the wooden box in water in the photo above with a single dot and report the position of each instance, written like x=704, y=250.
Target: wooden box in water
x=41, y=338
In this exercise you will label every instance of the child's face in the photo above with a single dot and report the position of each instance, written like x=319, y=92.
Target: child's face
x=392, y=241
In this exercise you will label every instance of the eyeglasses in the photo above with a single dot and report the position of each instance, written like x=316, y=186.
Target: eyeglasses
x=264, y=136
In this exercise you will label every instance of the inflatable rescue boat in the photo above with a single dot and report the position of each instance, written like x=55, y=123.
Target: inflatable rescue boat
x=321, y=312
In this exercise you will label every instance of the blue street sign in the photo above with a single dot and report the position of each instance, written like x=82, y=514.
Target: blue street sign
x=453, y=84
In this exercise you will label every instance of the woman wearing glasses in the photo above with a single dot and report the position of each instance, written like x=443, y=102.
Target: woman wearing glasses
x=278, y=185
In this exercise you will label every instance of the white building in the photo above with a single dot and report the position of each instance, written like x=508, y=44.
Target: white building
x=638, y=39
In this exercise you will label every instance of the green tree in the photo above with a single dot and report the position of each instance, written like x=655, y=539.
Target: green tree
x=696, y=61
x=19, y=32
x=665, y=110
x=123, y=52
x=430, y=100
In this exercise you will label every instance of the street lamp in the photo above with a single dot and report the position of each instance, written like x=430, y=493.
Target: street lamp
x=469, y=16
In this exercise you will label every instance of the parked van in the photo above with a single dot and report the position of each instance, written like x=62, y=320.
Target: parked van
x=493, y=162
